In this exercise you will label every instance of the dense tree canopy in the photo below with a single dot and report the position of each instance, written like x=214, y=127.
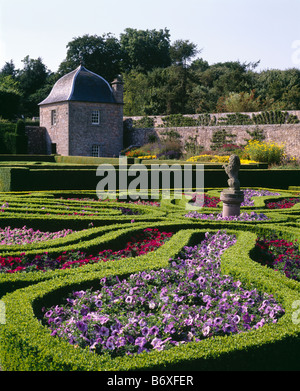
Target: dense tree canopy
x=145, y=50
x=160, y=77
x=101, y=54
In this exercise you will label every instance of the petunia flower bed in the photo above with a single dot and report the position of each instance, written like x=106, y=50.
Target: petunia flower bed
x=190, y=300
x=279, y=254
x=24, y=235
x=212, y=202
x=141, y=243
x=249, y=193
x=285, y=203
x=207, y=201
x=252, y=216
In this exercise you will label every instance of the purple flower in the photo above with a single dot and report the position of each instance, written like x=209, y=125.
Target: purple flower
x=205, y=331
x=140, y=341
x=110, y=345
x=157, y=343
x=154, y=330
x=82, y=326
x=104, y=331
x=130, y=339
x=121, y=341
x=145, y=331
x=129, y=300
x=228, y=328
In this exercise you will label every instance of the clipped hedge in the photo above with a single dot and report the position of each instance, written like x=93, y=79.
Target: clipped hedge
x=75, y=178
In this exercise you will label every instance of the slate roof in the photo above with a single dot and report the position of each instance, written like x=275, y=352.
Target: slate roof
x=80, y=85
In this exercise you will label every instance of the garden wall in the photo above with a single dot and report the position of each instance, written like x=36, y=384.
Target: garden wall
x=285, y=133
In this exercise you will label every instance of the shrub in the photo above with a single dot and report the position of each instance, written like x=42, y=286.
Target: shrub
x=265, y=152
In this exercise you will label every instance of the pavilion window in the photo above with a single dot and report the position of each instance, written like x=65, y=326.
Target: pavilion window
x=96, y=150
x=95, y=117
x=53, y=117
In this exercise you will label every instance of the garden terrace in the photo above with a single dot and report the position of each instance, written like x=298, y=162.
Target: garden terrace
x=69, y=241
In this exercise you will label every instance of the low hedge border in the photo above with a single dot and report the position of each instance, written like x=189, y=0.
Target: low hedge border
x=69, y=207
x=27, y=345
x=273, y=217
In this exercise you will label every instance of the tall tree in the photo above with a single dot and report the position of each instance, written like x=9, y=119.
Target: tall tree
x=145, y=50
x=33, y=75
x=182, y=51
x=32, y=78
x=100, y=54
x=9, y=69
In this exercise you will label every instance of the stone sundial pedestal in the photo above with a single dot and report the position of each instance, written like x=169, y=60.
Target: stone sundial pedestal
x=233, y=196
x=232, y=200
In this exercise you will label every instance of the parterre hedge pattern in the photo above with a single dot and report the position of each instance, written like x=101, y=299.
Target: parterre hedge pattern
x=99, y=240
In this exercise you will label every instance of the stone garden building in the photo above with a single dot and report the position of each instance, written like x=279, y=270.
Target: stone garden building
x=83, y=115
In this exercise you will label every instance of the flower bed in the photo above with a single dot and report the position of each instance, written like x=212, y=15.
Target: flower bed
x=189, y=301
x=279, y=254
x=208, y=201
x=212, y=202
x=249, y=193
x=23, y=236
x=149, y=240
x=242, y=217
x=286, y=203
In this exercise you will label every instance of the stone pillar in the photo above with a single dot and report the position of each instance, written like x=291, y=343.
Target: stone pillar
x=232, y=200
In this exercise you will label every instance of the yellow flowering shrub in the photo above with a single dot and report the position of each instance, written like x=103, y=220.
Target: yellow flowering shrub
x=216, y=159
x=265, y=152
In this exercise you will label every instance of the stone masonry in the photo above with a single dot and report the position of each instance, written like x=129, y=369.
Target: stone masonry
x=287, y=134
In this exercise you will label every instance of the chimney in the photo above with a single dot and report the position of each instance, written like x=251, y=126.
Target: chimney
x=117, y=86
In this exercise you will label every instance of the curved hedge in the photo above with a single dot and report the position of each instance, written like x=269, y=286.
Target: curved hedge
x=26, y=345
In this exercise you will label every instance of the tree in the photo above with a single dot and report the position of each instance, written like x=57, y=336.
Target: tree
x=136, y=93
x=33, y=75
x=10, y=96
x=145, y=50
x=182, y=52
x=9, y=69
x=280, y=87
x=32, y=78
x=100, y=54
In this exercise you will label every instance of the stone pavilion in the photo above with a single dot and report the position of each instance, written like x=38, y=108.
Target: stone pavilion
x=83, y=115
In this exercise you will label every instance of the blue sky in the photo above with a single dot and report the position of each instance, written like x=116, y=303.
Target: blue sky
x=225, y=30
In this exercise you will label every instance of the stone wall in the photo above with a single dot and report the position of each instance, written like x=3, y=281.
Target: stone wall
x=287, y=134
x=58, y=133
x=158, y=119
x=74, y=134
x=83, y=134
